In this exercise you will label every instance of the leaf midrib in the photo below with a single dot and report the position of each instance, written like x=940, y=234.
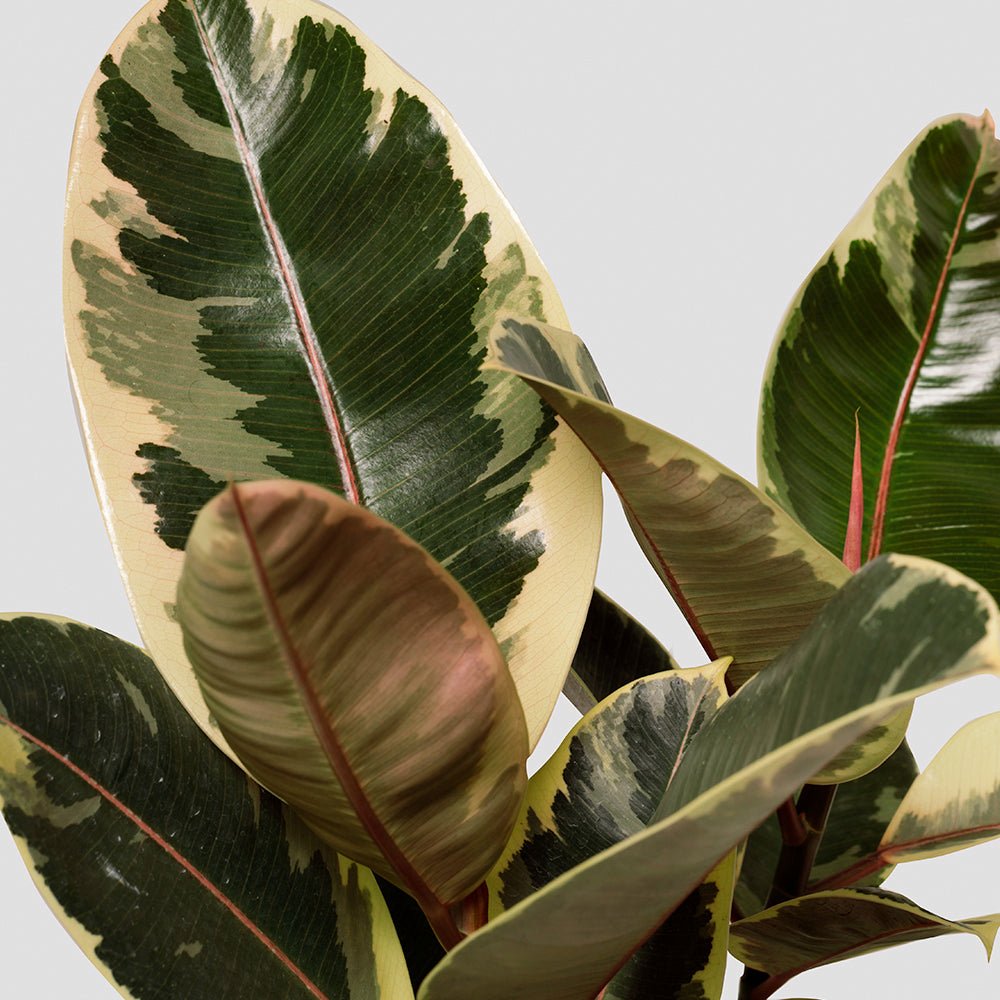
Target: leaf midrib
x=435, y=908
x=294, y=296
x=203, y=880
x=903, y=405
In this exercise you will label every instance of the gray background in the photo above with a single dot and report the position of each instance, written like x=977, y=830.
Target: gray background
x=680, y=167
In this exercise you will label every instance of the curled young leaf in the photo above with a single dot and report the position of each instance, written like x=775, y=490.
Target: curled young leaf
x=358, y=681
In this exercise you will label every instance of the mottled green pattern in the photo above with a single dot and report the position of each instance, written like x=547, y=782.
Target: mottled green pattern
x=250, y=156
x=851, y=337
x=613, y=651
x=861, y=812
x=608, y=779
x=907, y=620
x=101, y=704
x=745, y=575
x=566, y=940
x=831, y=926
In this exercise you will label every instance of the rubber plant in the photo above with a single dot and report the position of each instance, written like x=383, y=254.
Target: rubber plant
x=349, y=456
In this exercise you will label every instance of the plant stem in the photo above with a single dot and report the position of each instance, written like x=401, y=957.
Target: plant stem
x=798, y=852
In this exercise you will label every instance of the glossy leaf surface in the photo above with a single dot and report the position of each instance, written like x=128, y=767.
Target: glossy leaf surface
x=898, y=324
x=613, y=651
x=283, y=260
x=954, y=803
x=356, y=679
x=175, y=874
x=604, y=784
x=567, y=940
x=825, y=927
x=746, y=576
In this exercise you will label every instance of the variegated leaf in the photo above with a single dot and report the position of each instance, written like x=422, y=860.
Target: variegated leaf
x=954, y=803
x=614, y=649
x=897, y=324
x=861, y=812
x=355, y=678
x=282, y=260
x=173, y=872
x=604, y=784
x=747, y=578
x=825, y=927
x=899, y=628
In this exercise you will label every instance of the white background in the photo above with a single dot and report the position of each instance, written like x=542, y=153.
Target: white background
x=680, y=167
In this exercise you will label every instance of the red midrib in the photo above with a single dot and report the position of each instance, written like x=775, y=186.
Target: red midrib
x=174, y=854
x=903, y=406
x=293, y=293
x=436, y=910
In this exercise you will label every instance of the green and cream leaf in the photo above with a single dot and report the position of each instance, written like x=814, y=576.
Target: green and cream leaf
x=282, y=259
x=171, y=870
x=897, y=325
x=824, y=927
x=746, y=576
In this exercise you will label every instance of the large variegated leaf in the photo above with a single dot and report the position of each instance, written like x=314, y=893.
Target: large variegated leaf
x=825, y=927
x=614, y=649
x=282, y=260
x=954, y=803
x=899, y=628
x=174, y=873
x=898, y=324
x=860, y=814
x=355, y=678
x=604, y=784
x=746, y=576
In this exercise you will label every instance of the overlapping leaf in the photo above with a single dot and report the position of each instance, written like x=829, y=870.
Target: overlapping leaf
x=604, y=784
x=825, y=927
x=954, y=803
x=860, y=815
x=282, y=260
x=898, y=324
x=746, y=576
x=175, y=874
x=355, y=678
x=614, y=650
x=567, y=940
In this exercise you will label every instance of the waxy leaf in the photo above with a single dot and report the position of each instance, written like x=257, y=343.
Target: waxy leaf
x=614, y=649
x=355, y=678
x=825, y=927
x=604, y=784
x=283, y=260
x=747, y=578
x=861, y=812
x=899, y=628
x=953, y=804
x=174, y=873
x=898, y=324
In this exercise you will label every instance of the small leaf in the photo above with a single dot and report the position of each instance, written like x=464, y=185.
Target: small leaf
x=747, y=578
x=613, y=651
x=825, y=927
x=899, y=628
x=356, y=679
x=856, y=514
x=175, y=874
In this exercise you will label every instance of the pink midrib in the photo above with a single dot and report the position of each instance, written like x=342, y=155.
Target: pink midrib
x=174, y=855
x=436, y=910
x=903, y=406
x=293, y=293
